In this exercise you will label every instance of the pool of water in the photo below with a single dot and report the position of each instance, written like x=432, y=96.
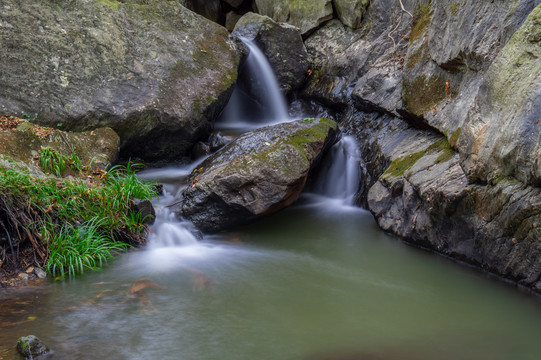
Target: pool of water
x=316, y=281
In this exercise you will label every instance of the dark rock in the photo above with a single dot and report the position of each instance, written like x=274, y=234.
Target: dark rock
x=31, y=347
x=211, y=9
x=200, y=149
x=283, y=46
x=259, y=173
x=158, y=74
x=145, y=210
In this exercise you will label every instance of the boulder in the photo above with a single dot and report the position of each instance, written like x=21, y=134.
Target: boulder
x=157, y=74
x=283, y=46
x=307, y=15
x=30, y=347
x=98, y=147
x=350, y=12
x=502, y=133
x=259, y=173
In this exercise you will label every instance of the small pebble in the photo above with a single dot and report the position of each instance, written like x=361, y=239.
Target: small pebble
x=40, y=273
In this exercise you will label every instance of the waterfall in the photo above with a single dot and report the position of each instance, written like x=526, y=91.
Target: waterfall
x=257, y=98
x=340, y=172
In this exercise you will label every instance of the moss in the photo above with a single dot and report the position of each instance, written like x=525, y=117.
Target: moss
x=423, y=93
x=454, y=8
x=421, y=20
x=455, y=135
x=416, y=56
x=399, y=166
x=113, y=4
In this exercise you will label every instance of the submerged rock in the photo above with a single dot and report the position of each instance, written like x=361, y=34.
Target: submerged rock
x=259, y=173
x=158, y=73
x=30, y=346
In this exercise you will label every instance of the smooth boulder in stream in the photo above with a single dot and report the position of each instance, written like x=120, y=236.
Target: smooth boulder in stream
x=259, y=173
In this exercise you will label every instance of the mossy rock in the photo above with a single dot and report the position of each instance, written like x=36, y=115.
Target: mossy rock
x=96, y=147
x=257, y=174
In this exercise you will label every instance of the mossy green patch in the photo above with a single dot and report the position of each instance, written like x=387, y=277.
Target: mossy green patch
x=421, y=20
x=416, y=56
x=455, y=135
x=423, y=93
x=113, y=4
x=400, y=165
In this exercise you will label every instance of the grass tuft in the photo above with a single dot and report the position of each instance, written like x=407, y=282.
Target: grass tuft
x=73, y=224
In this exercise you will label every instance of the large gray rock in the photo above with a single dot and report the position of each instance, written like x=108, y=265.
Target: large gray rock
x=157, y=74
x=304, y=14
x=282, y=45
x=502, y=133
x=452, y=45
x=259, y=173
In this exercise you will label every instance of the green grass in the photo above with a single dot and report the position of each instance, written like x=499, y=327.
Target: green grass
x=80, y=222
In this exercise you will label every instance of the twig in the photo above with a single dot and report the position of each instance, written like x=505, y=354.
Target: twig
x=404, y=10
x=9, y=240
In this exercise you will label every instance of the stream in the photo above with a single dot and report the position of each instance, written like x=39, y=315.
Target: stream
x=317, y=281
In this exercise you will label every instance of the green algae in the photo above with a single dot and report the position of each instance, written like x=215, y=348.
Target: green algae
x=399, y=166
x=421, y=21
x=455, y=135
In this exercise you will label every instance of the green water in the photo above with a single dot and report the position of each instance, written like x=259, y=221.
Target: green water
x=317, y=281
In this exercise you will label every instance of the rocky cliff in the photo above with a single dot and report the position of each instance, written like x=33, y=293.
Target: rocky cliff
x=445, y=98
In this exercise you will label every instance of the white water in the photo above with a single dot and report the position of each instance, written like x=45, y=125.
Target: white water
x=257, y=99
x=340, y=173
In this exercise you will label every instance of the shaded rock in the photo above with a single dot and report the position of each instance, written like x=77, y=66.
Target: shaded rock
x=231, y=19
x=145, y=210
x=30, y=346
x=157, y=74
x=282, y=45
x=234, y=3
x=211, y=9
x=98, y=147
x=304, y=14
x=259, y=173
x=502, y=134
x=350, y=12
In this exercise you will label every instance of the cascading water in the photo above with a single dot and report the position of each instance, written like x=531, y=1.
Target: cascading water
x=340, y=172
x=257, y=99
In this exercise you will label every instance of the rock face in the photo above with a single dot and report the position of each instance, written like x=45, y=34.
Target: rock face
x=502, y=132
x=157, y=74
x=283, y=46
x=259, y=173
x=445, y=105
x=304, y=14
